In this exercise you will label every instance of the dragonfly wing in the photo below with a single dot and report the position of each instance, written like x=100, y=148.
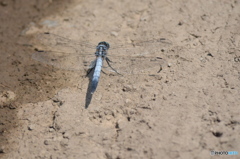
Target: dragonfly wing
x=48, y=41
x=142, y=48
x=139, y=58
x=127, y=65
x=67, y=61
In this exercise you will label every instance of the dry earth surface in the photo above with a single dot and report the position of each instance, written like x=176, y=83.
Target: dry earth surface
x=191, y=108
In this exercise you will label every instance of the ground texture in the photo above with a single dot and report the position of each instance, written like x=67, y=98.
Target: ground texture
x=190, y=109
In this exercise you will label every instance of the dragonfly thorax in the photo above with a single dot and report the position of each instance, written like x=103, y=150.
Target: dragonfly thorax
x=102, y=48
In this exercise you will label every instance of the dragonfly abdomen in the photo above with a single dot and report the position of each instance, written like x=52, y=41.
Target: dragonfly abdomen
x=96, y=74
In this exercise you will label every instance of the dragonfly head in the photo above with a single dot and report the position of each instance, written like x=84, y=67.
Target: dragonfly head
x=104, y=43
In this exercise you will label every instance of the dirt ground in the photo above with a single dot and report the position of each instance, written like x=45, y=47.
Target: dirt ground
x=189, y=110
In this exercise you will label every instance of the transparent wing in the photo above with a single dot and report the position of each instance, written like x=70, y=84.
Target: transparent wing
x=62, y=52
x=54, y=42
x=146, y=43
x=63, y=60
x=125, y=65
x=143, y=48
x=142, y=57
x=128, y=65
x=135, y=58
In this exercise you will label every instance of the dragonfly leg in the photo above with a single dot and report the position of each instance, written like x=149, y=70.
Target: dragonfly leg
x=108, y=59
x=108, y=62
x=103, y=72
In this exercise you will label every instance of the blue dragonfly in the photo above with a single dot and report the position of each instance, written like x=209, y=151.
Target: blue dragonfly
x=125, y=59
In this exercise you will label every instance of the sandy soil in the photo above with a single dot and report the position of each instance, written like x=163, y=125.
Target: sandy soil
x=187, y=111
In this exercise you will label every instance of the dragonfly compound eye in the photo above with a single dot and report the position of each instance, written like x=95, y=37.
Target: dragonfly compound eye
x=105, y=44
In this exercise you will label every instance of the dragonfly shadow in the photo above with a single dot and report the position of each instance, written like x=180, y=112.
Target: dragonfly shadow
x=89, y=95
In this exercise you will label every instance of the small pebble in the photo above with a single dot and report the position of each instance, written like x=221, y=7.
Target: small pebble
x=180, y=23
x=164, y=98
x=127, y=101
x=46, y=142
x=127, y=89
x=31, y=127
x=3, y=3
x=113, y=33
x=50, y=23
x=51, y=129
x=64, y=142
x=66, y=135
x=2, y=150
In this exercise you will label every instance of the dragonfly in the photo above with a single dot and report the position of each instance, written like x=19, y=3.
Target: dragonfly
x=124, y=59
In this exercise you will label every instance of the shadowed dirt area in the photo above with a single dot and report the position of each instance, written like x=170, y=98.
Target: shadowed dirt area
x=188, y=110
